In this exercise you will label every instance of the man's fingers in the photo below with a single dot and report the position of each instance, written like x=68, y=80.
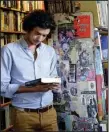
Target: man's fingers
x=49, y=86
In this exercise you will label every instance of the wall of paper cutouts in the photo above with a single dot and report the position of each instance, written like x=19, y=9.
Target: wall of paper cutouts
x=76, y=104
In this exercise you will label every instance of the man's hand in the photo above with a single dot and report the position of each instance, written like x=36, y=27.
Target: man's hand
x=38, y=88
x=49, y=86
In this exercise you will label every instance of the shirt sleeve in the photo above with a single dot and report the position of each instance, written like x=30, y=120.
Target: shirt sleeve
x=53, y=69
x=7, y=89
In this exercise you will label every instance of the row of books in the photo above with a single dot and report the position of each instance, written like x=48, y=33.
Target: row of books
x=60, y=6
x=7, y=38
x=101, y=44
x=104, y=52
x=23, y=5
x=102, y=7
x=11, y=21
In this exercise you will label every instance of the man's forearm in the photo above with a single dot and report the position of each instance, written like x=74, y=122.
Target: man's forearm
x=37, y=88
x=23, y=89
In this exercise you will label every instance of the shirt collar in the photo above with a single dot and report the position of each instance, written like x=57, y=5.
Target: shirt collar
x=25, y=45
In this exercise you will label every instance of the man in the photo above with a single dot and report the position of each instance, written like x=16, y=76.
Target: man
x=26, y=60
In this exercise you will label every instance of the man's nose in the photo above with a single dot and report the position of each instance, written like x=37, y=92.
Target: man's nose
x=40, y=38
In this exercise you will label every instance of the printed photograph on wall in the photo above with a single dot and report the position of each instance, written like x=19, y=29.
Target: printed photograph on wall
x=88, y=104
x=65, y=37
x=72, y=73
x=88, y=99
x=73, y=89
x=66, y=95
x=65, y=33
x=82, y=124
x=73, y=52
x=63, y=71
x=85, y=63
x=91, y=85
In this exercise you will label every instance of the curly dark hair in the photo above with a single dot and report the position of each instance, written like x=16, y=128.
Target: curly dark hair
x=38, y=18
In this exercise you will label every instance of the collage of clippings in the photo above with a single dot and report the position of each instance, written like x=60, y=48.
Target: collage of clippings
x=85, y=61
x=76, y=104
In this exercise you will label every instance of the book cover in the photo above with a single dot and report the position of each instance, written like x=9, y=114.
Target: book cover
x=104, y=42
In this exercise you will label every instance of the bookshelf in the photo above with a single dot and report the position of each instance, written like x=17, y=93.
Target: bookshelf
x=12, y=13
x=12, y=32
x=99, y=10
x=12, y=9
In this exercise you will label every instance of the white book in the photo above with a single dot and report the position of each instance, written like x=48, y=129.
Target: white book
x=42, y=80
x=51, y=80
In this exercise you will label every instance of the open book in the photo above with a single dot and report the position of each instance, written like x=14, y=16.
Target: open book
x=42, y=80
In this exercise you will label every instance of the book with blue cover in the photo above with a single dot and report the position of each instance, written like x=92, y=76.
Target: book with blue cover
x=104, y=46
x=104, y=42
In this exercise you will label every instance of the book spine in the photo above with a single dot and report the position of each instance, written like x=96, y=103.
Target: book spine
x=1, y=3
x=18, y=23
x=33, y=83
x=2, y=40
x=2, y=19
x=35, y=5
x=18, y=4
x=99, y=96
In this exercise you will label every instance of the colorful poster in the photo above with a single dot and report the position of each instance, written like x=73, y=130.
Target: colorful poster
x=82, y=26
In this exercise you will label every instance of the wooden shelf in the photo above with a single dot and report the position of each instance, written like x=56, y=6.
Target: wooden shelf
x=12, y=32
x=13, y=9
x=5, y=104
x=7, y=129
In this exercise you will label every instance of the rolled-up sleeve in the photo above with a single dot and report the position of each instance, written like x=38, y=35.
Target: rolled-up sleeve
x=7, y=89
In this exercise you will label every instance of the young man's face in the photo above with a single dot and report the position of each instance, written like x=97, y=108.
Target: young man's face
x=37, y=35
